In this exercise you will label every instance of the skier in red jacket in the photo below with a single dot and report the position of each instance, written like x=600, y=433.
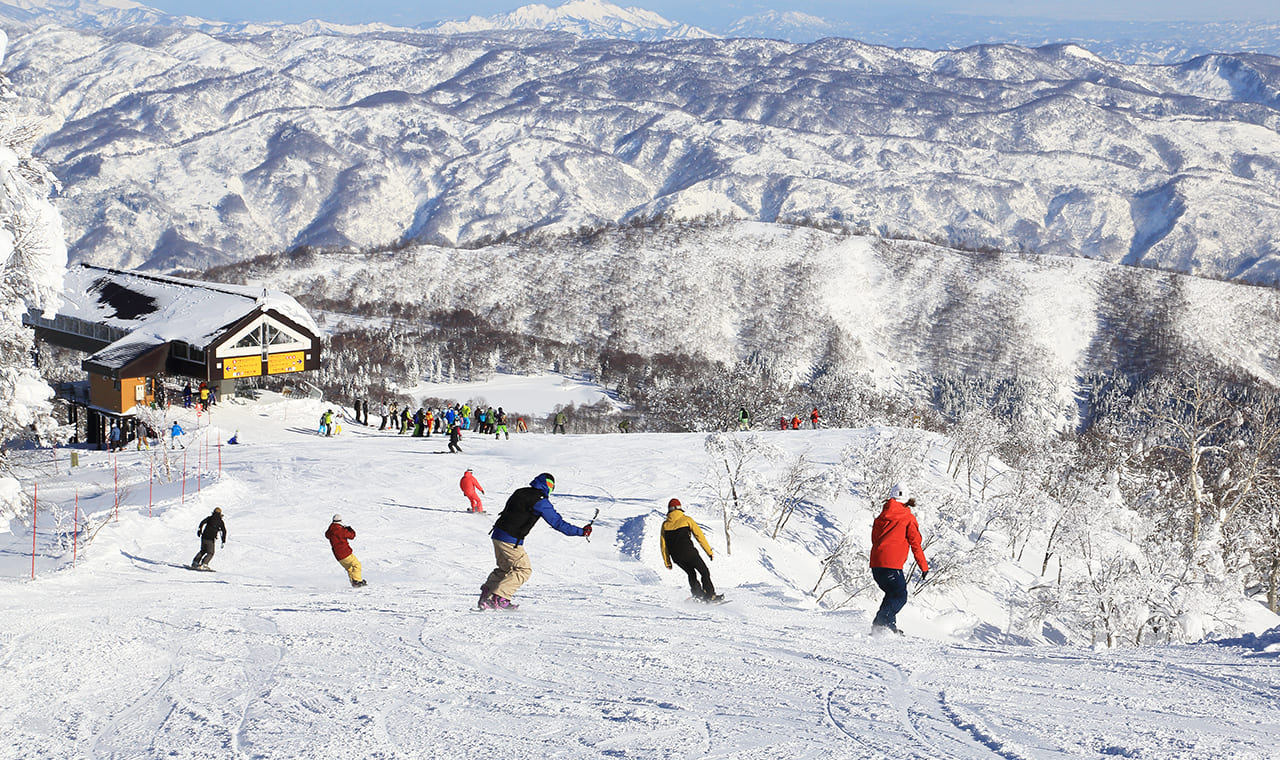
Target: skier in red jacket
x=469, y=486
x=339, y=534
x=892, y=534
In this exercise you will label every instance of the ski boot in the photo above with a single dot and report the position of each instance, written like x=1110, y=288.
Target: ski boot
x=503, y=603
x=486, y=599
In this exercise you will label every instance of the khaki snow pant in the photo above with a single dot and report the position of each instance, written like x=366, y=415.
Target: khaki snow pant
x=352, y=566
x=512, y=571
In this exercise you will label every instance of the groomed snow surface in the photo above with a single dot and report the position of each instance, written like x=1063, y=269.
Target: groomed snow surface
x=128, y=654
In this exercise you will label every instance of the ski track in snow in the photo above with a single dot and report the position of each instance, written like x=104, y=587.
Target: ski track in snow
x=131, y=655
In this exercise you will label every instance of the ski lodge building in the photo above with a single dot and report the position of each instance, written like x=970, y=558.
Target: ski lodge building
x=139, y=329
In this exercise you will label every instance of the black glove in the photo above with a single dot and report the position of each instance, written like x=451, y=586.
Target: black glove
x=924, y=574
x=586, y=531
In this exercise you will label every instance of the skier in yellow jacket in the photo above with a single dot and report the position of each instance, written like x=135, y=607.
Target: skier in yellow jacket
x=677, y=533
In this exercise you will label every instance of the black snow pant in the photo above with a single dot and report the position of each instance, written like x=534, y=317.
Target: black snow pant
x=454, y=448
x=693, y=565
x=205, y=554
x=894, y=585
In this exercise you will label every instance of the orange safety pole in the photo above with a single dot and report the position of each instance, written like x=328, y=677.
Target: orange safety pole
x=35, y=503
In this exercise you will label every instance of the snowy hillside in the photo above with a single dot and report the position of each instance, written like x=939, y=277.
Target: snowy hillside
x=180, y=148
x=127, y=654
x=808, y=299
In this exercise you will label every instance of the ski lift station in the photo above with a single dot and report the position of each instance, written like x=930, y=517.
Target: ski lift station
x=140, y=329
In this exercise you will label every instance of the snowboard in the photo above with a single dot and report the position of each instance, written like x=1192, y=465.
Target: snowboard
x=719, y=599
x=201, y=569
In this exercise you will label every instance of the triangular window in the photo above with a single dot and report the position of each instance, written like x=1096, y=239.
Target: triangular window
x=252, y=340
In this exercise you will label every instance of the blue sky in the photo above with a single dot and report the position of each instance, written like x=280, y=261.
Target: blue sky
x=721, y=12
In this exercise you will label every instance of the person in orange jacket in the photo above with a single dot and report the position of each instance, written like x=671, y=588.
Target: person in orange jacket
x=469, y=486
x=676, y=543
x=339, y=533
x=893, y=533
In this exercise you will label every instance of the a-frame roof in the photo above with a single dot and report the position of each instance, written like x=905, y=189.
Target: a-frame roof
x=134, y=313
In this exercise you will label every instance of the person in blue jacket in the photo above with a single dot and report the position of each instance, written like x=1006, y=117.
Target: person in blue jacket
x=523, y=510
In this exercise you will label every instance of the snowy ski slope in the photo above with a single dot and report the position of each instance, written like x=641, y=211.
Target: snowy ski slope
x=129, y=655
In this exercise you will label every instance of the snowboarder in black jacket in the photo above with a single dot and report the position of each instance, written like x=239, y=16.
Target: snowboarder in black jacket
x=208, y=532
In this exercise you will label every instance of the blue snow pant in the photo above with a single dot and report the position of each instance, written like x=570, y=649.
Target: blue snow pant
x=894, y=585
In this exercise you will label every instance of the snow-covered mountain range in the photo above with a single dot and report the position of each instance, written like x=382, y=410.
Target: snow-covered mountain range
x=178, y=147
x=584, y=18
x=1148, y=42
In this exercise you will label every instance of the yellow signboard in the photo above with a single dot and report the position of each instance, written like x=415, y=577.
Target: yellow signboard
x=278, y=364
x=241, y=366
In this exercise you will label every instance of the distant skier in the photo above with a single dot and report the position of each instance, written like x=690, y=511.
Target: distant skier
x=210, y=528
x=677, y=545
x=455, y=437
x=469, y=486
x=500, y=426
x=114, y=437
x=522, y=512
x=561, y=419
x=175, y=433
x=339, y=533
x=186, y=395
x=815, y=418
x=234, y=439
x=744, y=419
x=892, y=533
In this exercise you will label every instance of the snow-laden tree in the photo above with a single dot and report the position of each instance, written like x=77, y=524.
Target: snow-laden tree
x=33, y=258
x=735, y=481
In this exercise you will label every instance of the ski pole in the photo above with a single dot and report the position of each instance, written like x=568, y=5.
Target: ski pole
x=592, y=522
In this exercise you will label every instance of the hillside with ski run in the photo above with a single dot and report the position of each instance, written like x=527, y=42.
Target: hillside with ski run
x=126, y=653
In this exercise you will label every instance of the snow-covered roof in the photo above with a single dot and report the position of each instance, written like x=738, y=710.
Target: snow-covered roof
x=168, y=308
x=139, y=312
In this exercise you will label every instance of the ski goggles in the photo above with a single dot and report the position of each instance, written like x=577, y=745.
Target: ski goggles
x=551, y=485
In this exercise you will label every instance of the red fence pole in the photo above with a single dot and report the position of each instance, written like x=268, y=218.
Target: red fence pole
x=115, y=466
x=184, y=476
x=151, y=479
x=35, y=504
x=219, y=453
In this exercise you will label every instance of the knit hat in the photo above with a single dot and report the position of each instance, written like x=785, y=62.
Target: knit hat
x=337, y=518
x=673, y=504
x=545, y=481
x=217, y=510
x=898, y=493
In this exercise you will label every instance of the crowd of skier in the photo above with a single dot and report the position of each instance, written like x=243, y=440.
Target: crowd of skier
x=895, y=533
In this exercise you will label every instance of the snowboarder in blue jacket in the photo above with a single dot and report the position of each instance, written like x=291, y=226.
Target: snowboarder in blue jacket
x=523, y=510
